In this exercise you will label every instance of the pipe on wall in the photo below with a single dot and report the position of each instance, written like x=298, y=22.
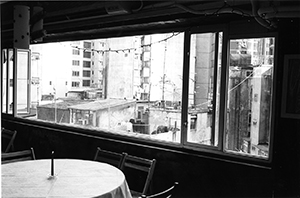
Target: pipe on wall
x=266, y=23
x=279, y=12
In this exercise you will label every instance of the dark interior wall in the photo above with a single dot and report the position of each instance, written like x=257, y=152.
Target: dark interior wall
x=199, y=174
x=286, y=154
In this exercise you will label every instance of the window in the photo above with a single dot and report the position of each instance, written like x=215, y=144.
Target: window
x=86, y=63
x=86, y=83
x=87, y=45
x=146, y=63
x=87, y=54
x=86, y=73
x=249, y=105
x=75, y=73
x=75, y=84
x=204, y=80
x=75, y=62
x=75, y=52
x=190, y=89
x=15, y=78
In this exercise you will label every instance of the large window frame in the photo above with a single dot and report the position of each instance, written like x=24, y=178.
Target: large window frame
x=19, y=63
x=219, y=149
x=273, y=98
x=217, y=30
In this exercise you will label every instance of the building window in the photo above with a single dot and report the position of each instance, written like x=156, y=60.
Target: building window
x=193, y=122
x=87, y=64
x=86, y=54
x=75, y=73
x=147, y=48
x=86, y=73
x=75, y=52
x=87, y=45
x=86, y=83
x=75, y=84
x=75, y=62
x=203, y=104
x=146, y=63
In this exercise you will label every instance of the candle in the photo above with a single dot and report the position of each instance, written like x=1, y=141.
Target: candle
x=52, y=164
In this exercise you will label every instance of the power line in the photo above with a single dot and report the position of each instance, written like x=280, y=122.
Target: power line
x=249, y=76
x=126, y=49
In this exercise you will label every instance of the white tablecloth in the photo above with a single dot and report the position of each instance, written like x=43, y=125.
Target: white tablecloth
x=73, y=178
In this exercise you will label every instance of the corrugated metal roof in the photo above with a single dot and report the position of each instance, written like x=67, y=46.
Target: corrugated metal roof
x=63, y=104
x=103, y=104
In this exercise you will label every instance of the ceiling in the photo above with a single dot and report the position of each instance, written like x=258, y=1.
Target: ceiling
x=75, y=20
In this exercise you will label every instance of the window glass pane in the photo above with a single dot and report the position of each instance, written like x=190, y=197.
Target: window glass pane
x=87, y=54
x=75, y=73
x=86, y=63
x=22, y=81
x=86, y=73
x=87, y=45
x=86, y=83
x=10, y=80
x=75, y=62
x=202, y=127
x=5, y=81
x=135, y=89
x=250, y=81
x=35, y=80
x=75, y=52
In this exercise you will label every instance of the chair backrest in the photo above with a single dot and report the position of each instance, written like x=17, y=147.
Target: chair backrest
x=163, y=194
x=138, y=164
x=7, y=140
x=110, y=157
x=17, y=156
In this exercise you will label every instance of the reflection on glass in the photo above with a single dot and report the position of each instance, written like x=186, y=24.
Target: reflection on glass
x=4, y=79
x=22, y=81
x=204, y=74
x=7, y=83
x=128, y=85
x=249, y=96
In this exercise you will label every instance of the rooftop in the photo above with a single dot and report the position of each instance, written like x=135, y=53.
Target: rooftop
x=102, y=104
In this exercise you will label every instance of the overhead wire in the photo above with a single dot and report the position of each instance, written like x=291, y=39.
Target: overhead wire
x=127, y=49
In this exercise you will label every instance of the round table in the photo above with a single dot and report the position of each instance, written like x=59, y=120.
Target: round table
x=72, y=178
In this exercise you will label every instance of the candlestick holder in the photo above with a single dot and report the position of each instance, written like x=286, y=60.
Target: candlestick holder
x=52, y=176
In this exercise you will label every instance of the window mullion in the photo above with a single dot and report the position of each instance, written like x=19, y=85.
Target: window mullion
x=29, y=82
x=212, y=140
x=185, y=85
x=223, y=90
x=15, y=92
x=7, y=82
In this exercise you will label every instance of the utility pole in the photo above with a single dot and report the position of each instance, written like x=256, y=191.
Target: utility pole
x=164, y=76
x=163, y=89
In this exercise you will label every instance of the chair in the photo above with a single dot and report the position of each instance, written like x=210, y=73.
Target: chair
x=7, y=140
x=17, y=156
x=134, y=169
x=112, y=158
x=163, y=194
